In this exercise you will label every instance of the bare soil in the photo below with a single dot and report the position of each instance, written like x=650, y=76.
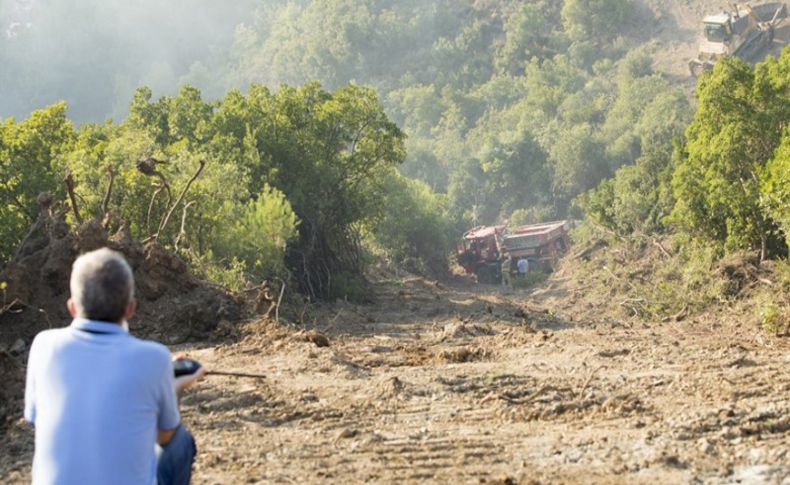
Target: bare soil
x=440, y=382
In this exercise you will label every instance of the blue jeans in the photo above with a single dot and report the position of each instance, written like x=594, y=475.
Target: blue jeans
x=174, y=465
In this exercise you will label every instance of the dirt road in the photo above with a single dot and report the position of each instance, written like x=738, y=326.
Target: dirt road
x=438, y=384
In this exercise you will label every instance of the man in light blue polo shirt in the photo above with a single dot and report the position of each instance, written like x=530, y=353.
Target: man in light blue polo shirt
x=101, y=399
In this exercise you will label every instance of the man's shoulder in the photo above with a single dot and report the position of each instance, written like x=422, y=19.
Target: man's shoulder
x=148, y=348
x=149, y=358
x=47, y=336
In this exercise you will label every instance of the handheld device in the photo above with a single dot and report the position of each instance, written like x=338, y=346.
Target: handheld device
x=185, y=367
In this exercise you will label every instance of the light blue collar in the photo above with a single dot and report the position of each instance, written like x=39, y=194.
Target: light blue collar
x=97, y=326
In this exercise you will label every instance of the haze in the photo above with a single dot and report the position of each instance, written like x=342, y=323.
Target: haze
x=95, y=53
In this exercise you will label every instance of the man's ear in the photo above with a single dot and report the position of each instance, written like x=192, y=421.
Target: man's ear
x=130, y=309
x=72, y=308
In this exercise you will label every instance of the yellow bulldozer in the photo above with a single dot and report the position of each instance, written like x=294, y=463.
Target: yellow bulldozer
x=745, y=32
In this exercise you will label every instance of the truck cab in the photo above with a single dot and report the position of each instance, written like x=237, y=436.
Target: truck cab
x=744, y=32
x=478, y=252
x=718, y=28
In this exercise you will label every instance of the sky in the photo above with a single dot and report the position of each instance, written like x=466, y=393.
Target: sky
x=94, y=53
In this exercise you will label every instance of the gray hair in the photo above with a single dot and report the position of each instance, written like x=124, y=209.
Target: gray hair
x=102, y=285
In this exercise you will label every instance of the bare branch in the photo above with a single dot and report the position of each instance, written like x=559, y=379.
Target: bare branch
x=279, y=301
x=163, y=224
x=183, y=232
x=70, y=186
x=151, y=207
x=106, y=202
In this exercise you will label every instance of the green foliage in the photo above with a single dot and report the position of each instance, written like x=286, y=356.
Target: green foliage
x=31, y=162
x=775, y=186
x=729, y=178
x=259, y=231
x=507, y=105
x=526, y=35
x=532, y=215
x=774, y=319
x=512, y=109
x=649, y=284
x=288, y=176
x=593, y=19
x=483, y=129
x=773, y=302
x=579, y=159
x=637, y=198
x=687, y=283
x=414, y=227
x=231, y=274
x=734, y=133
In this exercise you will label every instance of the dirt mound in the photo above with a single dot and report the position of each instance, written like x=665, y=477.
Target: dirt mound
x=174, y=306
x=741, y=271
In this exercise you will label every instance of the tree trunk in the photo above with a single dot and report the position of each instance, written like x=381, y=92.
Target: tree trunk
x=763, y=247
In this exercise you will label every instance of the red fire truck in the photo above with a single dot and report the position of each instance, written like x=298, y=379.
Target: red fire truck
x=483, y=248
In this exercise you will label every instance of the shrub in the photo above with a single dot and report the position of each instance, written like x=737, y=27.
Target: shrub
x=774, y=318
x=590, y=19
x=259, y=231
x=532, y=215
x=413, y=225
x=637, y=198
x=30, y=163
x=775, y=187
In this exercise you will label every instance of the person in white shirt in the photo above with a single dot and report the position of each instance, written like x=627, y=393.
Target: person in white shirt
x=101, y=399
x=523, y=267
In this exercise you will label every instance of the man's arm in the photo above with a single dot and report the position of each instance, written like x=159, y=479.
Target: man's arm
x=169, y=417
x=30, y=382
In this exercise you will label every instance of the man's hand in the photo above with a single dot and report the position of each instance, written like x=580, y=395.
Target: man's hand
x=187, y=380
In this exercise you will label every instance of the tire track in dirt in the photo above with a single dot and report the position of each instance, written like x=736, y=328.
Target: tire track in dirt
x=453, y=383
x=544, y=399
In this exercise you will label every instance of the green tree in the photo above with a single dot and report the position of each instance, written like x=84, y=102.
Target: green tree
x=638, y=197
x=579, y=163
x=775, y=187
x=258, y=232
x=733, y=135
x=422, y=241
x=31, y=162
x=527, y=35
x=595, y=19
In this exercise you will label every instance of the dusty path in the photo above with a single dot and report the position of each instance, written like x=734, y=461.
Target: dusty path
x=438, y=384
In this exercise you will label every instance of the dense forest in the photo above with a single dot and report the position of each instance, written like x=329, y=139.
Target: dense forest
x=322, y=133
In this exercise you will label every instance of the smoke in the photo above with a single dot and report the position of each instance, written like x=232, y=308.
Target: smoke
x=95, y=53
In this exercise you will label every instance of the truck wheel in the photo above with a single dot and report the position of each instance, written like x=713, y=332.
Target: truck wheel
x=487, y=275
x=482, y=275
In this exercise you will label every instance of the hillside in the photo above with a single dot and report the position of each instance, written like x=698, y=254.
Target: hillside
x=289, y=179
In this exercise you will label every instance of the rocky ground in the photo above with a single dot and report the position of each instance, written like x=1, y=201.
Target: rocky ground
x=452, y=382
